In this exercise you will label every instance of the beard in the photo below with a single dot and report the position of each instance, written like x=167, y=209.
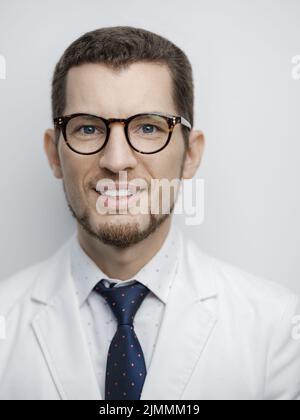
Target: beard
x=122, y=235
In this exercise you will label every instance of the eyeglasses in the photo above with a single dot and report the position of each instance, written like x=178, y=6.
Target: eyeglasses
x=146, y=133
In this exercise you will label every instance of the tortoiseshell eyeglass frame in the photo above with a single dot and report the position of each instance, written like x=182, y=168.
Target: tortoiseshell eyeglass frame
x=61, y=124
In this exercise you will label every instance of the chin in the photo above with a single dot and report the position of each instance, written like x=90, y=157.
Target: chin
x=111, y=220
x=119, y=230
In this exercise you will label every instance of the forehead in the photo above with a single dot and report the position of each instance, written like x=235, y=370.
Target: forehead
x=98, y=89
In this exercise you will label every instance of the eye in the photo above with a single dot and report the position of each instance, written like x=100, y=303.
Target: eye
x=149, y=129
x=88, y=129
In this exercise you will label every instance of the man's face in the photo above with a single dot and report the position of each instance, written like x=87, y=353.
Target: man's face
x=96, y=89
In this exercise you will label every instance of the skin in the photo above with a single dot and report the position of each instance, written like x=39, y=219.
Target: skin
x=120, y=244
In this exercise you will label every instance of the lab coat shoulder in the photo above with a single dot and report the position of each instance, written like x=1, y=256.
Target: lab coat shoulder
x=16, y=287
x=245, y=290
x=44, y=276
x=259, y=311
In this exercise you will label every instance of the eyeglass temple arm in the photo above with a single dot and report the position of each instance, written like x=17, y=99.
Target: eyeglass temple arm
x=185, y=122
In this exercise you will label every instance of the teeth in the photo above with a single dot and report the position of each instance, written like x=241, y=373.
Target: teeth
x=117, y=193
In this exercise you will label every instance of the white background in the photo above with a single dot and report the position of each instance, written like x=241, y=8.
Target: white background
x=247, y=104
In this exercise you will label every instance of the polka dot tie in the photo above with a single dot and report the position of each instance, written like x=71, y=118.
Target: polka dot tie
x=125, y=367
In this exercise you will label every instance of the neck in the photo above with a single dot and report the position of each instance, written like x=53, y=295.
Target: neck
x=123, y=264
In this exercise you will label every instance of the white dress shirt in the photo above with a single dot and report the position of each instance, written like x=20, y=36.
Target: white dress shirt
x=98, y=320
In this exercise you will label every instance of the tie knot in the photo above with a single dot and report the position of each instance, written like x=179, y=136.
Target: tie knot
x=124, y=301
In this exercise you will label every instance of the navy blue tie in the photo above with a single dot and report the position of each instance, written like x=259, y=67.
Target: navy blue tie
x=125, y=367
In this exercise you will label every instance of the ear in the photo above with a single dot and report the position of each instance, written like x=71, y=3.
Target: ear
x=193, y=154
x=51, y=150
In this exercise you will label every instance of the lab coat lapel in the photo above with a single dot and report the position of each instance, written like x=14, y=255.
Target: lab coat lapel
x=186, y=327
x=58, y=330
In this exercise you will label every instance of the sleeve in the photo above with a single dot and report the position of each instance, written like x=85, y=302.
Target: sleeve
x=283, y=364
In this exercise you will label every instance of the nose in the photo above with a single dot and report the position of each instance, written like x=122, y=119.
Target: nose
x=117, y=155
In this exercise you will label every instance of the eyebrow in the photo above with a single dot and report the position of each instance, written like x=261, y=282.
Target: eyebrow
x=140, y=112
x=159, y=112
x=151, y=112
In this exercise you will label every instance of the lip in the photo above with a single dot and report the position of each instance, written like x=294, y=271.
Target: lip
x=131, y=187
x=117, y=203
x=106, y=203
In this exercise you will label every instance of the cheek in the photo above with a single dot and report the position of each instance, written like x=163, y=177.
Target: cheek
x=167, y=164
x=75, y=169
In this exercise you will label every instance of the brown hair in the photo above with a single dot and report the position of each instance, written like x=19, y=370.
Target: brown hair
x=120, y=46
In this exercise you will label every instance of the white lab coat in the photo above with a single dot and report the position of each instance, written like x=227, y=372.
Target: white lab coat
x=226, y=334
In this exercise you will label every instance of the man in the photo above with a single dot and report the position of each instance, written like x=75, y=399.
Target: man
x=128, y=308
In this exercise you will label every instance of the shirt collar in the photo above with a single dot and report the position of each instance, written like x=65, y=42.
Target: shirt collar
x=157, y=274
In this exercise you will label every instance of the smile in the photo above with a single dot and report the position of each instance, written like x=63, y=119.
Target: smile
x=117, y=193
x=118, y=198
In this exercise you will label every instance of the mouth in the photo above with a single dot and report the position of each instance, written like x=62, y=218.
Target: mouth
x=122, y=197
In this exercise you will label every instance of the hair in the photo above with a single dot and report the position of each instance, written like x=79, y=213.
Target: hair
x=118, y=47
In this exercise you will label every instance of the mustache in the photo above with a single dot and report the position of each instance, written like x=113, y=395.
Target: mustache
x=92, y=184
